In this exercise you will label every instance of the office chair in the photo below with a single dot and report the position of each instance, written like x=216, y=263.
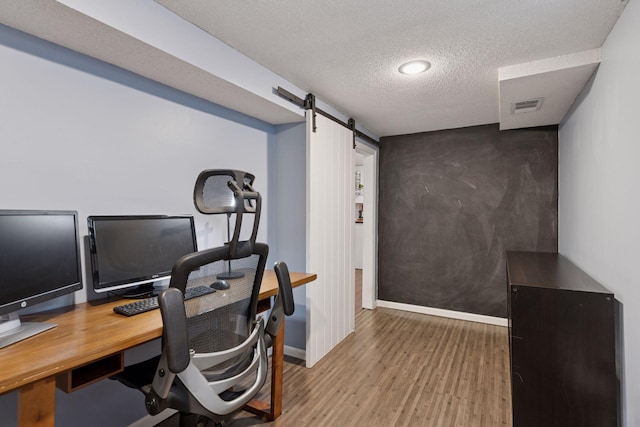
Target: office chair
x=213, y=359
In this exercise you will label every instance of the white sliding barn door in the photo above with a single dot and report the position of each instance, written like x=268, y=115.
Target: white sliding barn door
x=330, y=230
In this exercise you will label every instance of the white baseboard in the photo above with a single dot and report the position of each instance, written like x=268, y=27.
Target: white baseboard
x=461, y=315
x=295, y=352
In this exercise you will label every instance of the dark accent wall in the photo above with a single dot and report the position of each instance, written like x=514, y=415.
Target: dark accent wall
x=452, y=202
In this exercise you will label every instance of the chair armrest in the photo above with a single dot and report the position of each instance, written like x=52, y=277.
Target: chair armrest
x=284, y=286
x=175, y=335
x=283, y=304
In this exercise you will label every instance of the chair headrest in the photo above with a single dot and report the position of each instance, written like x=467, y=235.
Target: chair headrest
x=228, y=191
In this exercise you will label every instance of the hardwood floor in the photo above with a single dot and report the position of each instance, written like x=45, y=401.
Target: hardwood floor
x=401, y=369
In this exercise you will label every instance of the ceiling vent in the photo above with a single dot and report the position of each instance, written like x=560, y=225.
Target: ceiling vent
x=526, y=106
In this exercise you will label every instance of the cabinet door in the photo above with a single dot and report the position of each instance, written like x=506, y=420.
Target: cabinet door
x=563, y=358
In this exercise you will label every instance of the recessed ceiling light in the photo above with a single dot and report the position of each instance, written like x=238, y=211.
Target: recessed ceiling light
x=414, y=67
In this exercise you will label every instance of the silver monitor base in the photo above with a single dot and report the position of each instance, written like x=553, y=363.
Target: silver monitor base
x=24, y=331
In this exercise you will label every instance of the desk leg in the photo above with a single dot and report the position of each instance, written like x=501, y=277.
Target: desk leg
x=273, y=411
x=277, y=365
x=37, y=403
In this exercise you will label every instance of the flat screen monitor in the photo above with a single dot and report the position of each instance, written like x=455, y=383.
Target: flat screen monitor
x=39, y=261
x=136, y=251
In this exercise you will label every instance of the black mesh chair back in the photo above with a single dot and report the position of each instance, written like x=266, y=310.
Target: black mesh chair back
x=224, y=319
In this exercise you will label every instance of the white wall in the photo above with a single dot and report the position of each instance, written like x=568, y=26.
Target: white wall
x=599, y=173
x=288, y=227
x=358, y=228
x=79, y=134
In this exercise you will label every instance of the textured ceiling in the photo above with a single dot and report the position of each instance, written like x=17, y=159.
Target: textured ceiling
x=347, y=52
x=485, y=54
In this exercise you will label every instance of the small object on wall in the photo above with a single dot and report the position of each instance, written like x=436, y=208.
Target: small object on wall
x=359, y=210
x=359, y=186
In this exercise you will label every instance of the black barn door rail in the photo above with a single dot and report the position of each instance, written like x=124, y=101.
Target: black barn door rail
x=309, y=103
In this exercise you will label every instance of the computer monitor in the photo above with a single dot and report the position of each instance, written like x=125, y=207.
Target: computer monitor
x=39, y=261
x=137, y=250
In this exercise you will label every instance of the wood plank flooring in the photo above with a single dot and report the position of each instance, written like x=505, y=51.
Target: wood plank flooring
x=401, y=369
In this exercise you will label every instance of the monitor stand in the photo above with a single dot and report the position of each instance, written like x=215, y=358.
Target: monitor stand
x=230, y=274
x=12, y=330
x=141, y=291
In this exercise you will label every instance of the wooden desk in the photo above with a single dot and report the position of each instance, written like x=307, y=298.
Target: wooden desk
x=91, y=339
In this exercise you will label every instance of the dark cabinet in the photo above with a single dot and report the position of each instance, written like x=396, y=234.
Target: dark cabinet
x=562, y=340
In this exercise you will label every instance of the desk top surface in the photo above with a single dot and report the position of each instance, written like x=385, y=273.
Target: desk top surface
x=88, y=332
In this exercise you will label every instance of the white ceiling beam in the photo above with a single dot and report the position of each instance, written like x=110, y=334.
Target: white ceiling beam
x=557, y=81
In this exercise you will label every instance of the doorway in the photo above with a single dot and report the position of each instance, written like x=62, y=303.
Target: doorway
x=365, y=235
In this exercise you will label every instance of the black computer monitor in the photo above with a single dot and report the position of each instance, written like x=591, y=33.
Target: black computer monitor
x=137, y=250
x=39, y=261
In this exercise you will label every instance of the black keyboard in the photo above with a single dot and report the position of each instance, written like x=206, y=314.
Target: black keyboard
x=148, y=304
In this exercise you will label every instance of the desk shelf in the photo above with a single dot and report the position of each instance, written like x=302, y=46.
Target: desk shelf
x=90, y=373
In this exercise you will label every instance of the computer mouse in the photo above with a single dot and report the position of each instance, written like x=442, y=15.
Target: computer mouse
x=219, y=285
